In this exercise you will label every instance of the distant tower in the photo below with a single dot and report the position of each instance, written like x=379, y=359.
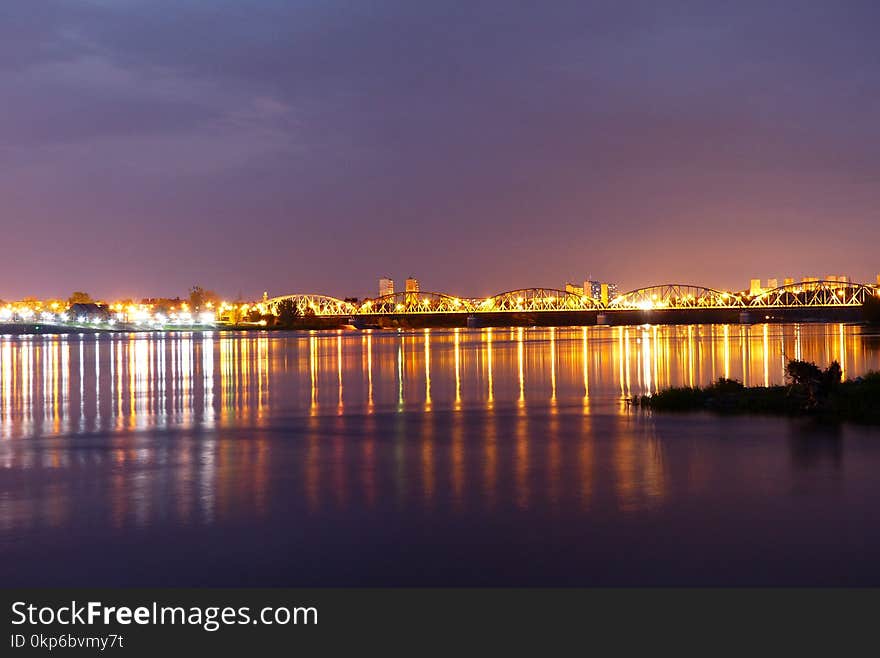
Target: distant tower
x=412, y=284
x=386, y=286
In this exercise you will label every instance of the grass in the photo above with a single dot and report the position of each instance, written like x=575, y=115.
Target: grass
x=856, y=400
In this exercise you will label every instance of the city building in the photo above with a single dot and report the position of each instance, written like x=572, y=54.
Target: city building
x=574, y=289
x=412, y=284
x=787, y=281
x=772, y=283
x=878, y=279
x=600, y=290
x=386, y=286
x=755, y=287
x=809, y=282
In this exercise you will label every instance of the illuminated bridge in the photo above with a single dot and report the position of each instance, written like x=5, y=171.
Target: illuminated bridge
x=667, y=302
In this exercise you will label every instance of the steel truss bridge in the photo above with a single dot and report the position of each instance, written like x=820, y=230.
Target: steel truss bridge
x=670, y=296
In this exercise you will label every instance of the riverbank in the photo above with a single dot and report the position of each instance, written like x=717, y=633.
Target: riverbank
x=856, y=400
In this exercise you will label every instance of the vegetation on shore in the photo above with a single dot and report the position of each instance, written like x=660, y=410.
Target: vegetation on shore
x=809, y=391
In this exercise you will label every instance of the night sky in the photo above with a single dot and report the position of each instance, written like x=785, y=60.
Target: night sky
x=312, y=146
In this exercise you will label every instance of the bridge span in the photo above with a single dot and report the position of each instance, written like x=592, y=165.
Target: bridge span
x=673, y=302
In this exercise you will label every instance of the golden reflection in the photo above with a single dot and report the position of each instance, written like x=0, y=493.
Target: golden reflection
x=647, y=384
x=552, y=364
x=400, y=374
x=489, y=365
x=726, y=352
x=521, y=459
x=339, y=370
x=490, y=461
x=585, y=460
x=554, y=460
x=54, y=386
x=369, y=339
x=690, y=355
x=457, y=368
x=765, y=355
x=639, y=472
x=427, y=369
x=313, y=368
x=427, y=454
x=519, y=359
x=585, y=364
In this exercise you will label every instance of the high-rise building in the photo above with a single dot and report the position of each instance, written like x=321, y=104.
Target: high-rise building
x=755, y=287
x=594, y=290
x=772, y=283
x=787, y=281
x=412, y=284
x=572, y=288
x=878, y=279
x=386, y=286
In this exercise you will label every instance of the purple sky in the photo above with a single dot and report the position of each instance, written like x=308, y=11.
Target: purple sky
x=312, y=146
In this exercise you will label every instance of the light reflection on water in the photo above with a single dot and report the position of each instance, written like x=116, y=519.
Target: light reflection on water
x=60, y=385
x=254, y=438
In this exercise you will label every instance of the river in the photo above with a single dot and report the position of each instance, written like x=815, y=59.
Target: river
x=441, y=457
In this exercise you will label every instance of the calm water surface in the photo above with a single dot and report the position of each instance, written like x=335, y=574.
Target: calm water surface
x=452, y=457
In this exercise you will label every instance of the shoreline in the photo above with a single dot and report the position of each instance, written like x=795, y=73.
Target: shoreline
x=854, y=400
x=17, y=329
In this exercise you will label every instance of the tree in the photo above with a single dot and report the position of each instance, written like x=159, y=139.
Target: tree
x=815, y=382
x=199, y=297
x=287, y=313
x=79, y=297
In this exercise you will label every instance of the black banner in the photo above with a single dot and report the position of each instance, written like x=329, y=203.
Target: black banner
x=417, y=621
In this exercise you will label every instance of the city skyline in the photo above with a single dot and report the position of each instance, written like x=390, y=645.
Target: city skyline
x=389, y=285
x=148, y=147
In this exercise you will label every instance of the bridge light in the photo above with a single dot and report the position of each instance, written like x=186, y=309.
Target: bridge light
x=399, y=307
x=519, y=300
